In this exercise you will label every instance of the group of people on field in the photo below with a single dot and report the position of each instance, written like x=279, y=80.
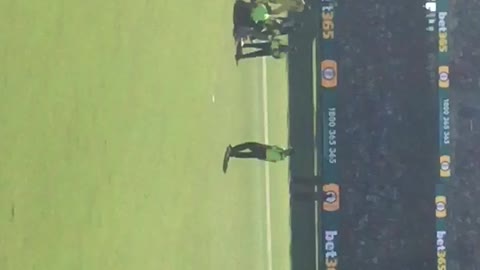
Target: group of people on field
x=263, y=25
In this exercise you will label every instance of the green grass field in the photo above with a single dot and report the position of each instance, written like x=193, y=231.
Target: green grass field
x=111, y=146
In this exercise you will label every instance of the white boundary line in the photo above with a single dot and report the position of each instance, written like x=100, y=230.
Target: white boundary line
x=267, y=166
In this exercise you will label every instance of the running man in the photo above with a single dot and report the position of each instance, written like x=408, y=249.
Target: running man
x=265, y=152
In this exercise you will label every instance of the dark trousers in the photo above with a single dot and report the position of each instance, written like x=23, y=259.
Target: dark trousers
x=264, y=49
x=249, y=150
x=284, y=25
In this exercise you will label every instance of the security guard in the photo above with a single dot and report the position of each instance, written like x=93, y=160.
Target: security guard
x=265, y=152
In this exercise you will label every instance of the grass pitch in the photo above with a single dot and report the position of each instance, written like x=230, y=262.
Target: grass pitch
x=114, y=118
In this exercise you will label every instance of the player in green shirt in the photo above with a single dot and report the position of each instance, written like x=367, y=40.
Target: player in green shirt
x=271, y=153
x=262, y=16
x=260, y=13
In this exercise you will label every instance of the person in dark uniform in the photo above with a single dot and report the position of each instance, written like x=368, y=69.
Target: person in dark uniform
x=275, y=48
x=252, y=22
x=254, y=150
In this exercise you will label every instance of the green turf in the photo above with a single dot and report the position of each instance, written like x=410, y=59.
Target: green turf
x=111, y=145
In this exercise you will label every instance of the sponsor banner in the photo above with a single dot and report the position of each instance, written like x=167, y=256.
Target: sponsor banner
x=442, y=32
x=326, y=103
x=445, y=162
x=327, y=15
x=441, y=213
x=330, y=250
x=444, y=129
x=443, y=94
x=326, y=138
x=444, y=122
x=441, y=250
x=330, y=138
